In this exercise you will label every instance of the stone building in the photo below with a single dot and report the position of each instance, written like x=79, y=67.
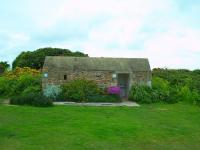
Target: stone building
x=106, y=72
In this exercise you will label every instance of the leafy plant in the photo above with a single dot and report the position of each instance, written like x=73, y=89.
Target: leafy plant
x=104, y=98
x=143, y=94
x=79, y=90
x=31, y=99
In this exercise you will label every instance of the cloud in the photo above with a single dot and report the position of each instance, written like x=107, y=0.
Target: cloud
x=166, y=32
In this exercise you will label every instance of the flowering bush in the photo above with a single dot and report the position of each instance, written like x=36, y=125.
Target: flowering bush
x=114, y=90
x=21, y=71
x=20, y=81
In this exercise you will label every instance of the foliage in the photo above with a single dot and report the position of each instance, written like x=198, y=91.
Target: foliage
x=114, y=90
x=36, y=58
x=3, y=66
x=31, y=99
x=143, y=94
x=20, y=81
x=160, y=84
x=4, y=86
x=161, y=87
x=52, y=91
x=184, y=85
x=179, y=77
x=17, y=72
x=80, y=90
x=104, y=98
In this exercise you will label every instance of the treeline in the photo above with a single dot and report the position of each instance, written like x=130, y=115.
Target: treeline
x=179, y=77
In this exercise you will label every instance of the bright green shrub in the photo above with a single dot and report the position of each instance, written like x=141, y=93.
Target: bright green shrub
x=25, y=83
x=20, y=81
x=143, y=94
x=187, y=95
x=4, y=86
x=160, y=84
x=32, y=89
x=31, y=99
x=52, y=91
x=79, y=90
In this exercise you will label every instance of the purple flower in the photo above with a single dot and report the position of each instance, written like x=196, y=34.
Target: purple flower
x=114, y=90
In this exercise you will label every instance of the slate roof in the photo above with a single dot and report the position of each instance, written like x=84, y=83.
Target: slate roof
x=96, y=63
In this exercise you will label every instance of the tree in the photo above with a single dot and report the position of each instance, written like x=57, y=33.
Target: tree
x=3, y=66
x=36, y=58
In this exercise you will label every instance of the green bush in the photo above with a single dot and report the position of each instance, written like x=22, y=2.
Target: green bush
x=186, y=95
x=104, y=98
x=23, y=84
x=173, y=96
x=4, y=86
x=32, y=89
x=143, y=94
x=196, y=97
x=79, y=90
x=31, y=99
x=161, y=87
x=26, y=81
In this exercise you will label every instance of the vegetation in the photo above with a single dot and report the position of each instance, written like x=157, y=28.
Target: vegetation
x=82, y=90
x=32, y=99
x=52, y=91
x=20, y=81
x=36, y=58
x=169, y=86
x=151, y=127
x=179, y=77
x=4, y=66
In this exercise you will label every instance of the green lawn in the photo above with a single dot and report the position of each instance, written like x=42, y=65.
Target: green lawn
x=149, y=127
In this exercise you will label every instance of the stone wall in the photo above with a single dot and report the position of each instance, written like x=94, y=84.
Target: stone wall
x=102, y=78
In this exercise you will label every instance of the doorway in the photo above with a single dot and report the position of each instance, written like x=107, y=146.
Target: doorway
x=123, y=83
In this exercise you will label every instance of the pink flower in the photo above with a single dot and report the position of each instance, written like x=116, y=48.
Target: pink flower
x=114, y=90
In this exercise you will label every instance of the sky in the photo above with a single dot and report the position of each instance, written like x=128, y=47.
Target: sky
x=167, y=32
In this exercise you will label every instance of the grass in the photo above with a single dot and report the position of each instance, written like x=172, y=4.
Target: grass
x=152, y=127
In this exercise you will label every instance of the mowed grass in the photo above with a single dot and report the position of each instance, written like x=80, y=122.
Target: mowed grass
x=149, y=127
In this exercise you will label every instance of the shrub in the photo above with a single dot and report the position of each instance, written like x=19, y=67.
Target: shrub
x=79, y=90
x=161, y=87
x=20, y=81
x=32, y=89
x=31, y=99
x=21, y=71
x=196, y=97
x=114, y=90
x=143, y=94
x=173, y=96
x=4, y=86
x=52, y=91
x=104, y=98
x=25, y=83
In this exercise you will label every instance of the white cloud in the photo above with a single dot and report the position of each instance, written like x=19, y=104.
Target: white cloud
x=115, y=28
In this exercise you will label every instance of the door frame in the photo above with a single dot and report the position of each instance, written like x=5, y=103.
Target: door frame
x=127, y=82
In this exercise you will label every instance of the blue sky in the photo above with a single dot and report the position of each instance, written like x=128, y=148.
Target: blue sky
x=165, y=31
